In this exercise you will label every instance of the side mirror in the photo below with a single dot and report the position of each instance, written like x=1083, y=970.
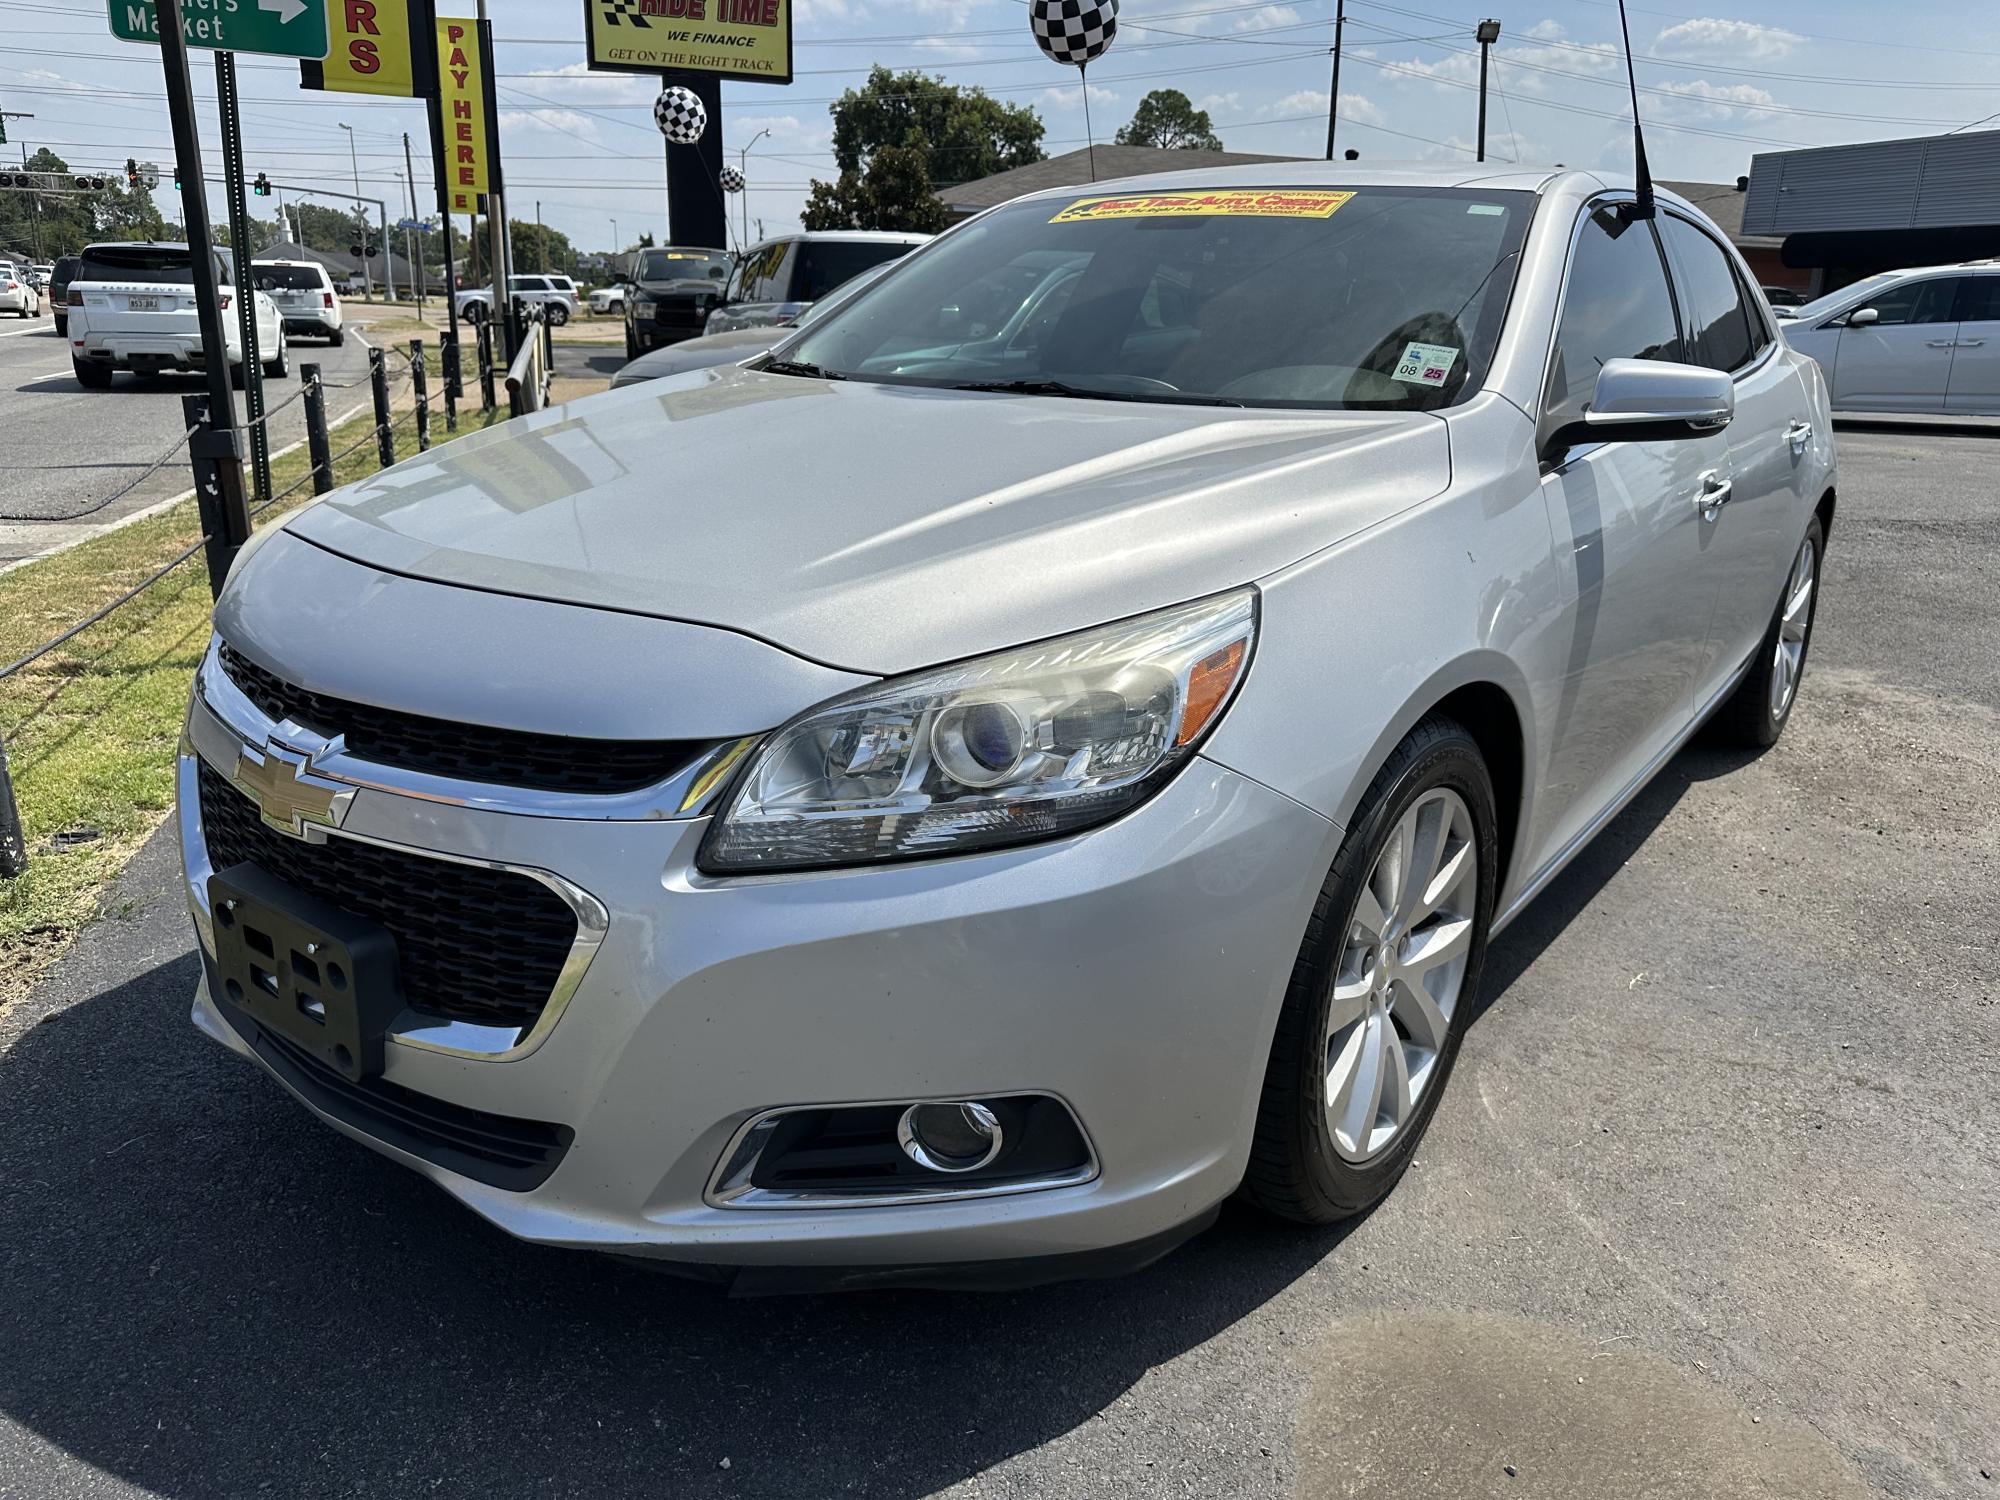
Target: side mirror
x=1861, y=317
x=1649, y=401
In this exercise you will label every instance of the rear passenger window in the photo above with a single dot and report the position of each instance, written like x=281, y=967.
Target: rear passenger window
x=1979, y=300
x=1616, y=306
x=1719, y=325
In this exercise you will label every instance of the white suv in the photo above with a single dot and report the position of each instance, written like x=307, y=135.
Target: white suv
x=132, y=307
x=557, y=293
x=304, y=295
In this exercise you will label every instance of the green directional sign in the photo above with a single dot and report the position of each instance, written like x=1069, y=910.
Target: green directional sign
x=277, y=28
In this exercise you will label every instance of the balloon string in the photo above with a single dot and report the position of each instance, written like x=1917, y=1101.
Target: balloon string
x=1089, y=139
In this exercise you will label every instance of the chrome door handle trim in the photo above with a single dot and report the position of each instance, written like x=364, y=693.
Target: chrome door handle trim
x=1798, y=435
x=1940, y=343
x=1968, y=343
x=1715, y=493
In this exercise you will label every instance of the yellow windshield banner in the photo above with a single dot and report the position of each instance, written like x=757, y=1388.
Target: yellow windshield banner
x=373, y=50
x=748, y=40
x=462, y=102
x=1262, y=203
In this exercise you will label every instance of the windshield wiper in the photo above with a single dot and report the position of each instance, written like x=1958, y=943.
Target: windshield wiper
x=800, y=367
x=1045, y=386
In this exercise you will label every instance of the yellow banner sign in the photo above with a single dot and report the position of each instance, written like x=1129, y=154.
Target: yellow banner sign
x=462, y=102
x=1262, y=203
x=749, y=40
x=372, y=51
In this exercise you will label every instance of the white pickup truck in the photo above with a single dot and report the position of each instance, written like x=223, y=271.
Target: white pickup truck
x=131, y=307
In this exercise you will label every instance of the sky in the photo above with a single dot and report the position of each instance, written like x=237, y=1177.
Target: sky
x=1719, y=81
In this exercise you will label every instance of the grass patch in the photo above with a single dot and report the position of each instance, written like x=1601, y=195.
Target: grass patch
x=90, y=729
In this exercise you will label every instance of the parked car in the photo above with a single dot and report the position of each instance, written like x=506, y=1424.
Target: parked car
x=17, y=293
x=476, y=305
x=712, y=349
x=669, y=293
x=304, y=296
x=914, y=816
x=39, y=274
x=777, y=280
x=1925, y=340
x=59, y=279
x=607, y=299
x=132, y=307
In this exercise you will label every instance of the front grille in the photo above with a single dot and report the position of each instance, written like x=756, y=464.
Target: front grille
x=472, y=944
x=471, y=752
x=498, y=1150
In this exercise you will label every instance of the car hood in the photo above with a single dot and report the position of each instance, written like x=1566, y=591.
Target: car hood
x=699, y=354
x=879, y=528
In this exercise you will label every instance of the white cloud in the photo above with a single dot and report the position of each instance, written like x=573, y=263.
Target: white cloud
x=1070, y=98
x=1501, y=145
x=1220, y=103
x=1698, y=99
x=1267, y=19
x=810, y=11
x=1709, y=36
x=1596, y=59
x=565, y=121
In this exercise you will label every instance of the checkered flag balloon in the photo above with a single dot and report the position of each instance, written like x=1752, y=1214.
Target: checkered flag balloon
x=1074, y=32
x=731, y=180
x=681, y=115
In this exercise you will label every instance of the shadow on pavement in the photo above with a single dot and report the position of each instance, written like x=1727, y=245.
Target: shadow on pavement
x=204, y=1291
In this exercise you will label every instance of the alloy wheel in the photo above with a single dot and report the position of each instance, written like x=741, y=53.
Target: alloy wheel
x=1793, y=623
x=1402, y=969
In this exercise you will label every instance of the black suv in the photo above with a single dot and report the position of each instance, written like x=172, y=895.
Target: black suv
x=63, y=273
x=668, y=295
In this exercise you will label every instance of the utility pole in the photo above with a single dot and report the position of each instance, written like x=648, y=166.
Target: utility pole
x=496, y=205
x=743, y=171
x=1487, y=34
x=360, y=213
x=1333, y=100
x=410, y=178
x=541, y=237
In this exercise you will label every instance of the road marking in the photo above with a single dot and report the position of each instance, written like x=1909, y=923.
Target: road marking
x=52, y=375
x=16, y=333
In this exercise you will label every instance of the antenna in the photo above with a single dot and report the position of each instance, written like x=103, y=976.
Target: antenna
x=1643, y=207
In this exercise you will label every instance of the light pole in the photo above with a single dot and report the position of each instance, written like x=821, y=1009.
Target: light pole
x=360, y=213
x=416, y=245
x=1486, y=35
x=1333, y=89
x=743, y=171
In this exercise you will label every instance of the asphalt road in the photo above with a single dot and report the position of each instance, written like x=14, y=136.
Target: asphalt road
x=1709, y=1209
x=64, y=450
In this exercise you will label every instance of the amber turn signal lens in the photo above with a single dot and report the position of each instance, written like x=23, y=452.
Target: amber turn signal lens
x=1208, y=688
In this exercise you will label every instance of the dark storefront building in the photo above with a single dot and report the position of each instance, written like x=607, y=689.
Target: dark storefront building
x=1844, y=212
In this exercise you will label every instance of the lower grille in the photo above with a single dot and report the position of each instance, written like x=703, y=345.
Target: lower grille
x=497, y=1150
x=472, y=944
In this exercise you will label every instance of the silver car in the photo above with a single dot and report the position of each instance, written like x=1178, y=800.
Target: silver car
x=1926, y=340
x=951, y=806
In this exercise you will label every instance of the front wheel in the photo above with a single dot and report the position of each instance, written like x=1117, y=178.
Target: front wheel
x=1757, y=712
x=1383, y=985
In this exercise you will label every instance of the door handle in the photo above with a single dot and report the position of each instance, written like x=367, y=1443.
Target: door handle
x=1968, y=343
x=1941, y=343
x=1798, y=435
x=1715, y=493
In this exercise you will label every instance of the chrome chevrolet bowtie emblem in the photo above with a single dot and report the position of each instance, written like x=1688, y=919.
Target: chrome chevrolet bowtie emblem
x=279, y=779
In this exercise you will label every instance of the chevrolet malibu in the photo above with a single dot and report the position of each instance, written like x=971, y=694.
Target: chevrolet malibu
x=959, y=797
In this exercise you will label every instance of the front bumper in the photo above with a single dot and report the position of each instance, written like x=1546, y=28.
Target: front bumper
x=1134, y=972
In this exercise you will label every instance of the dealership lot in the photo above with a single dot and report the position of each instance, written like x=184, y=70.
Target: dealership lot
x=1708, y=1211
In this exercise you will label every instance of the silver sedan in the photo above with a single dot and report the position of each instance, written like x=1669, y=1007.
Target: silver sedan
x=961, y=796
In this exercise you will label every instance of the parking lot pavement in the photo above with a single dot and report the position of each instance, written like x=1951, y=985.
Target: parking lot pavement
x=1708, y=1210
x=64, y=449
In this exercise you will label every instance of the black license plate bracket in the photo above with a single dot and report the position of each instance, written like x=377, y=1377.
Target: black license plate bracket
x=323, y=978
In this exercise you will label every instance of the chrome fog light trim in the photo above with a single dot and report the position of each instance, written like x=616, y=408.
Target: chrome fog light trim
x=960, y=1137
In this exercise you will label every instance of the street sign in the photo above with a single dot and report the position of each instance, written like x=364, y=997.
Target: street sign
x=276, y=28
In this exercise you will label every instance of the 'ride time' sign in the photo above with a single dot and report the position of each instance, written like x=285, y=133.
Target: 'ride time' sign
x=749, y=40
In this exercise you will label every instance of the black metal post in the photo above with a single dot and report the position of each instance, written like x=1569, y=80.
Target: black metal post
x=421, y=382
x=378, y=382
x=1484, y=52
x=246, y=293
x=217, y=461
x=318, y=446
x=1333, y=99
x=449, y=353
x=484, y=334
x=13, y=847
x=424, y=19
x=222, y=453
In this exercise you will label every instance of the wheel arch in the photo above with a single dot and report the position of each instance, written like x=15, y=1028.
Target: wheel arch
x=1824, y=510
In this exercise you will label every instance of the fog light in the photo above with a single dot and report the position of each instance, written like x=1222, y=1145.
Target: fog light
x=949, y=1137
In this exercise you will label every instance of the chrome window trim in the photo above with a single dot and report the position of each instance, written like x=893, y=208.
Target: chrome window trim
x=684, y=794
x=411, y=1028
x=729, y=1185
x=1754, y=307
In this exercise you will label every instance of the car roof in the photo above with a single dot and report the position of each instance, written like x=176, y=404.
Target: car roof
x=309, y=264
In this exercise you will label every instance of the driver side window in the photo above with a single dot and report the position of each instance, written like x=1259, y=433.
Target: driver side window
x=1616, y=306
x=1915, y=302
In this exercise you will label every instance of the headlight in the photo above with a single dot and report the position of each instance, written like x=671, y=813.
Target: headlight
x=644, y=304
x=1030, y=744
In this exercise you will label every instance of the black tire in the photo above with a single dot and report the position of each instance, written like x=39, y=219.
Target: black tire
x=336, y=338
x=558, y=314
x=281, y=366
x=1747, y=719
x=62, y=326
x=1295, y=1172
x=631, y=345
x=238, y=375
x=90, y=374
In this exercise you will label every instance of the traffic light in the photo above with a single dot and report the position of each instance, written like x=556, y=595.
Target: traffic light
x=262, y=186
x=131, y=172
x=177, y=177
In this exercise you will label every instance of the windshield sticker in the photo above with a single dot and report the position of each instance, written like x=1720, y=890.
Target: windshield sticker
x=1262, y=203
x=1484, y=208
x=1425, y=364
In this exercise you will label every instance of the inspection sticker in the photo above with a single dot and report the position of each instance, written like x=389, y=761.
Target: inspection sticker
x=1262, y=203
x=1424, y=364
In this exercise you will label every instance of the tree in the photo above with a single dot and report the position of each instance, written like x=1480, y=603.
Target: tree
x=47, y=224
x=1167, y=119
x=900, y=135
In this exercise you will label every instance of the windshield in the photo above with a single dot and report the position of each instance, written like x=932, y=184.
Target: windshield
x=1819, y=306
x=672, y=264
x=1376, y=298
x=285, y=278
